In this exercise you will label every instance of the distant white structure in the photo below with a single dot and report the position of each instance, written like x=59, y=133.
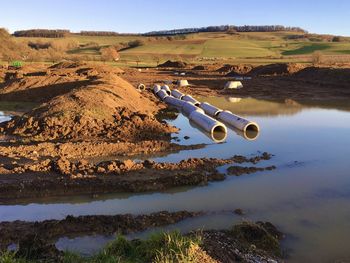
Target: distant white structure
x=233, y=85
x=182, y=83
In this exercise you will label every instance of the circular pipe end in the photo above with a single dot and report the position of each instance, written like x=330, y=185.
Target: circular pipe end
x=219, y=132
x=252, y=126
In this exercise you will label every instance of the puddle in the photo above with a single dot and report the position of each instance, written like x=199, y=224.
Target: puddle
x=307, y=196
x=4, y=116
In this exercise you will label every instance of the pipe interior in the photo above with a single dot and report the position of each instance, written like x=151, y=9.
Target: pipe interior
x=251, y=127
x=219, y=132
x=251, y=135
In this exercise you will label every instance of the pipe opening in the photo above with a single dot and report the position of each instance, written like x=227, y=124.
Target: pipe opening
x=197, y=104
x=219, y=133
x=168, y=92
x=251, y=135
x=251, y=127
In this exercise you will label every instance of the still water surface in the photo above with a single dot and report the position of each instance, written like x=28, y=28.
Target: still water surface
x=307, y=196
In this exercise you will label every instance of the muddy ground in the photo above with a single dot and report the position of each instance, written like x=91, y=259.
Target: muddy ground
x=246, y=242
x=87, y=122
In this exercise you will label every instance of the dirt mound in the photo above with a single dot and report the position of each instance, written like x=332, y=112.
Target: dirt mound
x=325, y=75
x=199, y=67
x=173, y=64
x=80, y=106
x=67, y=64
x=225, y=69
x=241, y=69
x=276, y=69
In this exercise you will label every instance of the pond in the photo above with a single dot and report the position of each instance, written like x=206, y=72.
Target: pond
x=307, y=196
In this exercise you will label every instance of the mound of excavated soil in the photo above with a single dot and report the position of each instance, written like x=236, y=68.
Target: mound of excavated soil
x=173, y=64
x=276, y=69
x=199, y=67
x=333, y=76
x=80, y=106
x=241, y=69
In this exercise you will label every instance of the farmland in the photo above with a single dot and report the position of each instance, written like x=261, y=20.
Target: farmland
x=244, y=47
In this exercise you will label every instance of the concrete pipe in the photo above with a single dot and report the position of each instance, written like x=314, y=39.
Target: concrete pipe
x=174, y=101
x=189, y=107
x=141, y=86
x=167, y=89
x=162, y=94
x=156, y=88
x=237, y=121
x=177, y=94
x=208, y=124
x=189, y=98
x=210, y=109
x=216, y=136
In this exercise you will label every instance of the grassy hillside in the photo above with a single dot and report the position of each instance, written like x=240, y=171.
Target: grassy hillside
x=252, y=47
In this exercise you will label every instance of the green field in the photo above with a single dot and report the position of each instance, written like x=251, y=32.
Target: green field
x=252, y=47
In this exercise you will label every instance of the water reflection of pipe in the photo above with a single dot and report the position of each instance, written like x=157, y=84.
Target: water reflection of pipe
x=234, y=100
x=237, y=121
x=216, y=136
x=250, y=135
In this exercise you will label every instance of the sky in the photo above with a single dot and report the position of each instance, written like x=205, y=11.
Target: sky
x=138, y=16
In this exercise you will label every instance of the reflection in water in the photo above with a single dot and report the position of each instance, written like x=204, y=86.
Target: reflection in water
x=249, y=134
x=307, y=196
x=233, y=99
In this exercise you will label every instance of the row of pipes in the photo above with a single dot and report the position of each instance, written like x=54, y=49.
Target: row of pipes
x=205, y=116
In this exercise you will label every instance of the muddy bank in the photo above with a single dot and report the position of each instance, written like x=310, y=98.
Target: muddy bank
x=246, y=242
x=64, y=177
x=52, y=230
x=275, y=81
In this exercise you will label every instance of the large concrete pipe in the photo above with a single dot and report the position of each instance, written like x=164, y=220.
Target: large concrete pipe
x=216, y=136
x=156, y=88
x=189, y=107
x=237, y=121
x=162, y=94
x=210, y=109
x=189, y=98
x=207, y=123
x=166, y=88
x=174, y=101
x=177, y=94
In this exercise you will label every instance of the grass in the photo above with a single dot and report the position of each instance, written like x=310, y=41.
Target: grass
x=158, y=248
x=249, y=47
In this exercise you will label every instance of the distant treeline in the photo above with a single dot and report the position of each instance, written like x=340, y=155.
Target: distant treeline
x=58, y=33
x=226, y=28
x=49, y=33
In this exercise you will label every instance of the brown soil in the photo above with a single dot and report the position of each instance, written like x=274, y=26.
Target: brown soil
x=247, y=242
x=82, y=102
x=51, y=230
x=173, y=64
x=64, y=177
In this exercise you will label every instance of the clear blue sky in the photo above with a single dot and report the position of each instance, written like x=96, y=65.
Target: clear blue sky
x=317, y=16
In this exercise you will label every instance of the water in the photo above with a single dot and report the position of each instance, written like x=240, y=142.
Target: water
x=307, y=196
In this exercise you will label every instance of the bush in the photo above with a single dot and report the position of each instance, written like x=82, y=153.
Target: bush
x=135, y=43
